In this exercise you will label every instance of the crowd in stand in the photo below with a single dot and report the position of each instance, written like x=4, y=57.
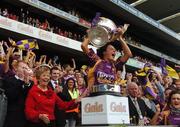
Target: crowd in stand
x=133, y=40
x=144, y=60
x=26, y=17
x=72, y=10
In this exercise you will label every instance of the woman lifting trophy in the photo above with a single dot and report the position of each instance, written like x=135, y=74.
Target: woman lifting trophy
x=102, y=75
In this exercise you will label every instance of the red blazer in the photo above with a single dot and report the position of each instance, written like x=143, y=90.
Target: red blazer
x=43, y=102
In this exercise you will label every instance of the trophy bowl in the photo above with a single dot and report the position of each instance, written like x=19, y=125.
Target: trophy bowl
x=102, y=33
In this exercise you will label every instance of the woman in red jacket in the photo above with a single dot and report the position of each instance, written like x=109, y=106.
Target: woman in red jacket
x=41, y=101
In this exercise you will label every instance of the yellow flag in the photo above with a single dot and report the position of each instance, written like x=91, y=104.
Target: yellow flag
x=171, y=72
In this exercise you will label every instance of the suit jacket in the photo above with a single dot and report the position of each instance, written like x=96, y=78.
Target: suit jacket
x=67, y=97
x=59, y=114
x=16, y=92
x=134, y=117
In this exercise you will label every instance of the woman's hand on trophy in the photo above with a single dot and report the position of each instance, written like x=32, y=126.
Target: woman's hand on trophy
x=86, y=35
x=122, y=30
x=114, y=37
x=119, y=32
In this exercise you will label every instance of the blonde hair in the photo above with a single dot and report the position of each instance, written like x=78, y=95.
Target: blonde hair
x=40, y=70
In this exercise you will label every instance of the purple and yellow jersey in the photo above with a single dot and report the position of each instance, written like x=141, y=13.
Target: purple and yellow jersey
x=103, y=72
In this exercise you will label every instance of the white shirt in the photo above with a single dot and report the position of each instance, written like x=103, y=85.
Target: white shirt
x=53, y=82
x=134, y=100
x=17, y=77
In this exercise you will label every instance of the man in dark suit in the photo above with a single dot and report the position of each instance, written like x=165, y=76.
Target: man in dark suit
x=137, y=107
x=16, y=91
x=57, y=87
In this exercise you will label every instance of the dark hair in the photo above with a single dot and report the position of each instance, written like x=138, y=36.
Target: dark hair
x=170, y=88
x=171, y=94
x=54, y=68
x=74, y=86
x=101, y=50
x=177, y=80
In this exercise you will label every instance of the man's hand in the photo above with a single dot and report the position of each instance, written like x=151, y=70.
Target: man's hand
x=58, y=89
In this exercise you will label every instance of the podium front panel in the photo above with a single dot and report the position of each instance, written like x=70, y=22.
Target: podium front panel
x=105, y=109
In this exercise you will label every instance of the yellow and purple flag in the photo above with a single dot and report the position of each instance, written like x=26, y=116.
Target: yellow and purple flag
x=27, y=44
x=143, y=75
x=172, y=72
x=167, y=70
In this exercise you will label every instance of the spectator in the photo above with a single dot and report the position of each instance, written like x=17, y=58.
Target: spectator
x=167, y=81
x=66, y=34
x=69, y=71
x=41, y=101
x=172, y=115
x=70, y=35
x=177, y=84
x=34, y=22
x=57, y=87
x=167, y=92
x=23, y=16
x=81, y=85
x=79, y=38
x=60, y=32
x=16, y=90
x=51, y=29
x=119, y=80
x=129, y=77
x=45, y=25
x=78, y=74
x=137, y=107
x=56, y=30
x=147, y=101
x=5, y=13
x=75, y=36
x=71, y=92
x=30, y=21
x=37, y=24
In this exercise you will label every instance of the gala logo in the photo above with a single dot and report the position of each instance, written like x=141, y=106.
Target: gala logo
x=88, y=108
x=117, y=107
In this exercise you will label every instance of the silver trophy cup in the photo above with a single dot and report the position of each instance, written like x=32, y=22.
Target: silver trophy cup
x=102, y=33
